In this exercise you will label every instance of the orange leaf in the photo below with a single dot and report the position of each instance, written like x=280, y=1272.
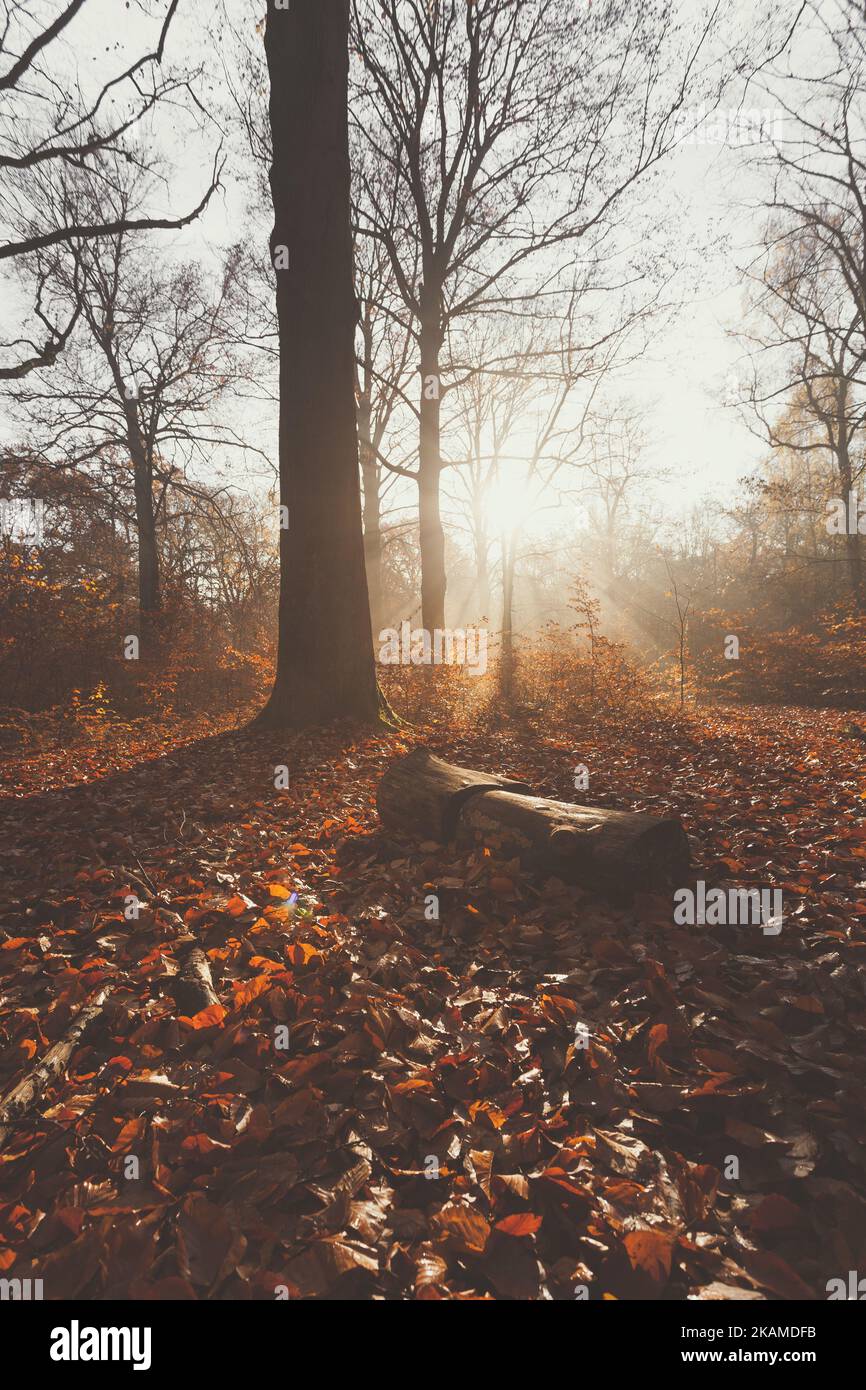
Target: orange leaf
x=238, y=905
x=301, y=953
x=130, y=1134
x=650, y=1251
x=210, y=1017
x=248, y=990
x=521, y=1225
x=201, y=1144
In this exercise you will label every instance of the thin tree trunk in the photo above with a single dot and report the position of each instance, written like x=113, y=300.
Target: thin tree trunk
x=325, y=663
x=482, y=571
x=372, y=513
x=432, y=537
x=855, y=567
x=149, y=587
x=852, y=537
x=149, y=596
x=509, y=554
x=482, y=566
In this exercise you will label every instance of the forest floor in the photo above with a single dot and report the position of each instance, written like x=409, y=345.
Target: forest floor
x=433, y=1128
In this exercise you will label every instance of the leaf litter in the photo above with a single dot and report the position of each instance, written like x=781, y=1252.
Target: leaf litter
x=539, y=1095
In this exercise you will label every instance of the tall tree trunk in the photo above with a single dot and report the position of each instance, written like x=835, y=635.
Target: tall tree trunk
x=149, y=596
x=855, y=568
x=372, y=511
x=482, y=566
x=509, y=559
x=433, y=580
x=325, y=663
x=843, y=462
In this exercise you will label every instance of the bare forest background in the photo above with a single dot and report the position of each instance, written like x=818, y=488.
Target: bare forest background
x=524, y=267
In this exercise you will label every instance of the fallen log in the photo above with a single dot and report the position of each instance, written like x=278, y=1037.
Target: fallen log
x=193, y=988
x=25, y=1094
x=612, y=850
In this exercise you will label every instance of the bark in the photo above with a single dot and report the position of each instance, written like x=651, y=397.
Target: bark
x=149, y=596
x=25, y=1094
x=432, y=536
x=325, y=666
x=193, y=988
x=149, y=587
x=855, y=568
x=482, y=567
x=424, y=794
x=372, y=513
x=616, y=851
x=843, y=463
x=509, y=559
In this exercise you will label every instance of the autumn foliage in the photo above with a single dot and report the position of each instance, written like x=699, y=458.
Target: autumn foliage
x=435, y=1127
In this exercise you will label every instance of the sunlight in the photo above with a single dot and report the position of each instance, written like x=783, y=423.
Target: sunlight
x=507, y=503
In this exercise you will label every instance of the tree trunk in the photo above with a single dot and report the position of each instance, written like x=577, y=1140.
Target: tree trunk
x=372, y=514
x=149, y=588
x=852, y=537
x=432, y=537
x=855, y=568
x=612, y=850
x=149, y=597
x=482, y=566
x=325, y=665
x=509, y=557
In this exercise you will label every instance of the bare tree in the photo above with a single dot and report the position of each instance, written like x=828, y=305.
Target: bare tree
x=618, y=467
x=497, y=364
x=505, y=133
x=138, y=390
x=382, y=371
x=47, y=125
x=325, y=665
x=807, y=351
x=682, y=606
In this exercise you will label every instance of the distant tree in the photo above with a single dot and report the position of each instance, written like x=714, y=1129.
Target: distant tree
x=506, y=135
x=619, y=467
x=808, y=351
x=808, y=344
x=138, y=387
x=382, y=376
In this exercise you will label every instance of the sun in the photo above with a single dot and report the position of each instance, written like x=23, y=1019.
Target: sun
x=507, y=503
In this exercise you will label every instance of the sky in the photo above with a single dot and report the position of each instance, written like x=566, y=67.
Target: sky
x=693, y=367
x=708, y=190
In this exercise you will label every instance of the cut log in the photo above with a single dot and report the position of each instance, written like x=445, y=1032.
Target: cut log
x=423, y=794
x=193, y=988
x=613, y=850
x=25, y=1094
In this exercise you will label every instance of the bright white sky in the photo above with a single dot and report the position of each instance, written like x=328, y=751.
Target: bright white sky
x=695, y=359
x=707, y=187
